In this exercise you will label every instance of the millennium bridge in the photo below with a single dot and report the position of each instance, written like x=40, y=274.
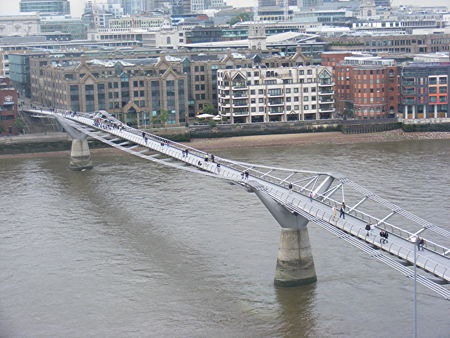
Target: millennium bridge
x=293, y=197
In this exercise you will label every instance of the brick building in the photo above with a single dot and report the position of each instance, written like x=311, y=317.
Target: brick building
x=8, y=106
x=367, y=87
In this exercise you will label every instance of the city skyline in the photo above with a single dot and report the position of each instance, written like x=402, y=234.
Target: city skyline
x=12, y=6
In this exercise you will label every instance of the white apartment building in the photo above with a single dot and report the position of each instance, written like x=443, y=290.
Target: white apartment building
x=249, y=95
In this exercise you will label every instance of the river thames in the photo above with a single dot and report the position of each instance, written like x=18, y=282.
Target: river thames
x=132, y=249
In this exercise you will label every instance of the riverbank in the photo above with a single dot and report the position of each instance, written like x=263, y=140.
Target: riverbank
x=213, y=144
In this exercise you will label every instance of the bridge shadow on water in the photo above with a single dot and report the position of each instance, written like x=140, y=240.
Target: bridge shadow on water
x=297, y=314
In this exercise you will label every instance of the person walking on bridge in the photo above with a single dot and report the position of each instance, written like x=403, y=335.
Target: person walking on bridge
x=342, y=210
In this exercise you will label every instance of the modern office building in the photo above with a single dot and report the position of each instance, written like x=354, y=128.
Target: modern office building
x=46, y=7
x=367, y=87
x=276, y=94
x=424, y=90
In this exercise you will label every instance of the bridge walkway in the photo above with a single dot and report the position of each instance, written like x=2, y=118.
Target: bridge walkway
x=317, y=209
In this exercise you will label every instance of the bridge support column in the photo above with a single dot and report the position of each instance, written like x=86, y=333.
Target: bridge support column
x=295, y=263
x=80, y=156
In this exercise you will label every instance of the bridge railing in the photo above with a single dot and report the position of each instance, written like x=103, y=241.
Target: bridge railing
x=406, y=253
x=267, y=177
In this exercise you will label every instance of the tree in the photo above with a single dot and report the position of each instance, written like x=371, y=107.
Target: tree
x=19, y=125
x=161, y=118
x=241, y=17
x=209, y=109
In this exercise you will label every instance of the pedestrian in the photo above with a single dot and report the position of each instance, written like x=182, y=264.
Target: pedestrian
x=333, y=210
x=290, y=186
x=246, y=175
x=311, y=196
x=187, y=152
x=242, y=175
x=420, y=244
x=368, y=228
x=218, y=168
x=206, y=158
x=342, y=211
x=212, y=158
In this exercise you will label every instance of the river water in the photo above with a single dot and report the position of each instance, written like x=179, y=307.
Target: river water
x=132, y=249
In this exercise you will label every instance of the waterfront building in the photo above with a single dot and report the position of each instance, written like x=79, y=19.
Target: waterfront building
x=424, y=90
x=133, y=90
x=367, y=87
x=261, y=94
x=46, y=7
x=8, y=106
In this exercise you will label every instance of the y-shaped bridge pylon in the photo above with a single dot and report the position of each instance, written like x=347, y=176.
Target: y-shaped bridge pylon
x=294, y=198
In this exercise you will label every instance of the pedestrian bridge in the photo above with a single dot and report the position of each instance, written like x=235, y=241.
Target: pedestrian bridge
x=294, y=198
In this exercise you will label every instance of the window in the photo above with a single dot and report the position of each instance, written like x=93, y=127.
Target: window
x=305, y=107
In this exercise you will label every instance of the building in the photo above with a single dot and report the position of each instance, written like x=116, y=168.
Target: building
x=20, y=25
x=134, y=90
x=424, y=90
x=138, y=22
x=395, y=43
x=262, y=94
x=46, y=7
x=181, y=7
x=8, y=106
x=75, y=27
x=367, y=87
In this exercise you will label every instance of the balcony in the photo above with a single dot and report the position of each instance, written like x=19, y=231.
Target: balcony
x=326, y=100
x=276, y=103
x=326, y=83
x=240, y=96
x=326, y=91
x=240, y=113
x=275, y=94
x=326, y=108
x=239, y=86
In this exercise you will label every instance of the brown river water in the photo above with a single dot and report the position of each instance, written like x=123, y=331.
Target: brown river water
x=132, y=249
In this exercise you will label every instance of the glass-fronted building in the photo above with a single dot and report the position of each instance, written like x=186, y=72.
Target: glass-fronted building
x=46, y=7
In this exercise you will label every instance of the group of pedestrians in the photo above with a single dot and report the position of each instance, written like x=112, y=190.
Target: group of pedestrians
x=245, y=175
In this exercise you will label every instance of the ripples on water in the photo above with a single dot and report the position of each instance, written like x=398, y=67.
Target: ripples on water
x=133, y=249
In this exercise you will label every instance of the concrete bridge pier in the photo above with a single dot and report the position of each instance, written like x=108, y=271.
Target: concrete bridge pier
x=80, y=155
x=295, y=263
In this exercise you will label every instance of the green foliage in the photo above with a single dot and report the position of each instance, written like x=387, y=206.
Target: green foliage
x=240, y=17
x=19, y=125
x=209, y=109
x=212, y=123
x=161, y=118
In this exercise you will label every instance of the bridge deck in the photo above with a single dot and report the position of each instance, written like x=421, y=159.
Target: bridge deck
x=297, y=200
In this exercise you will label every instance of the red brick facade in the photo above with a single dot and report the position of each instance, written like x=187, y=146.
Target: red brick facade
x=367, y=91
x=8, y=106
